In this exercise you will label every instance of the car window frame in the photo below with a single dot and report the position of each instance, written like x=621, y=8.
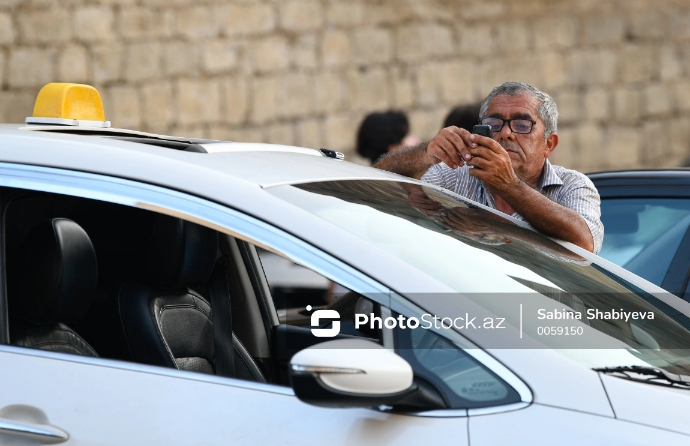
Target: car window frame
x=226, y=220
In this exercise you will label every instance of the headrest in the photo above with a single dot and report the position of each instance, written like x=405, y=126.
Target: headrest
x=180, y=253
x=56, y=275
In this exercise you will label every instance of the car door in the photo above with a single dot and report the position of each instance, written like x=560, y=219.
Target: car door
x=50, y=398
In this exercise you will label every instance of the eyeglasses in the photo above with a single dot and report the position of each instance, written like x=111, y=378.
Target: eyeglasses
x=516, y=125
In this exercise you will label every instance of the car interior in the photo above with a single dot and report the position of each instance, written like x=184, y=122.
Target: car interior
x=99, y=279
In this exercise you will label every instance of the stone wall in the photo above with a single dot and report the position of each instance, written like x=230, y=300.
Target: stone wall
x=305, y=72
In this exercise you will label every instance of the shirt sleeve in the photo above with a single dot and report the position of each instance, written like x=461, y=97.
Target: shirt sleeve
x=582, y=196
x=441, y=175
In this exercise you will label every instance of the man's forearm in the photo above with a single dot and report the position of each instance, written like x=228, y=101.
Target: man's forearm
x=409, y=161
x=549, y=217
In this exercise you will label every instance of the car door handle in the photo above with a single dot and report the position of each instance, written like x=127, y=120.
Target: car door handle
x=43, y=433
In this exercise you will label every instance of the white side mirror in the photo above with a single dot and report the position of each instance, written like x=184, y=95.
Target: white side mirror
x=350, y=373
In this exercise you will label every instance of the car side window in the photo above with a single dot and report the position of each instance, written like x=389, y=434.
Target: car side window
x=464, y=381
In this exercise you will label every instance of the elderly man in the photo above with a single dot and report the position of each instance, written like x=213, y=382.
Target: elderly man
x=510, y=172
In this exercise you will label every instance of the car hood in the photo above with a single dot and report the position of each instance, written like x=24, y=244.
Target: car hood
x=649, y=404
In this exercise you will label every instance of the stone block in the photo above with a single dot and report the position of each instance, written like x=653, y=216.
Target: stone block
x=555, y=32
x=336, y=49
x=648, y=25
x=418, y=42
x=189, y=131
x=345, y=14
x=622, y=148
x=513, y=38
x=74, y=65
x=403, y=88
x=679, y=136
x=108, y=62
x=15, y=106
x=157, y=104
x=301, y=15
x=145, y=23
x=197, y=22
x=31, y=67
x=3, y=66
x=256, y=135
x=477, y=40
x=457, y=81
x=248, y=18
x=427, y=123
x=388, y=13
x=637, y=63
x=122, y=106
x=295, y=95
x=656, y=142
x=269, y=54
x=305, y=51
x=566, y=153
x=93, y=23
x=597, y=102
x=308, y=134
x=570, y=107
x=281, y=134
x=49, y=26
x=373, y=45
x=670, y=64
x=264, y=99
x=181, y=58
x=657, y=100
x=143, y=61
x=339, y=130
x=220, y=56
x=627, y=104
x=553, y=74
x=590, y=146
x=681, y=94
x=369, y=90
x=6, y=29
x=428, y=89
x=330, y=92
x=591, y=67
x=678, y=25
x=473, y=11
x=604, y=29
x=235, y=101
x=198, y=102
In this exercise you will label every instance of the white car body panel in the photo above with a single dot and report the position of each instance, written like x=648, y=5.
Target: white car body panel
x=105, y=405
x=563, y=428
x=649, y=404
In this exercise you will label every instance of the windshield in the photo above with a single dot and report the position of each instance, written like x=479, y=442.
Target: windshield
x=441, y=235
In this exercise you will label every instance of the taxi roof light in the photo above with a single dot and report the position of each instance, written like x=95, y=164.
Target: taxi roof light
x=69, y=104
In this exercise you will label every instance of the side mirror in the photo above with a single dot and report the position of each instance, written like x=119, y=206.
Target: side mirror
x=350, y=373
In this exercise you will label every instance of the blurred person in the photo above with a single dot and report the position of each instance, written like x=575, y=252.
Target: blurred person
x=463, y=116
x=382, y=132
x=510, y=172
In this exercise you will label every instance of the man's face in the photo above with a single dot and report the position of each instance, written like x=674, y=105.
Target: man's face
x=527, y=151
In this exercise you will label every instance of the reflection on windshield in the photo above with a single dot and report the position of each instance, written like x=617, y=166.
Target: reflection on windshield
x=447, y=238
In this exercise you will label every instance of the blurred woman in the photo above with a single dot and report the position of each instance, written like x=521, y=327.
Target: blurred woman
x=382, y=132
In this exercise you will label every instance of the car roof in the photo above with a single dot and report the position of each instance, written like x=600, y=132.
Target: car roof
x=673, y=182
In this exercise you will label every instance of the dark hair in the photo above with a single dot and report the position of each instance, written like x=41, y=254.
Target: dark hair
x=379, y=131
x=463, y=116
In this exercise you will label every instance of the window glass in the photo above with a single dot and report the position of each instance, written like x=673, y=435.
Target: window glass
x=643, y=235
x=467, y=383
x=440, y=235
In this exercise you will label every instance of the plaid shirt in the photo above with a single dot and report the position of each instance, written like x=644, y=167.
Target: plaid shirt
x=566, y=187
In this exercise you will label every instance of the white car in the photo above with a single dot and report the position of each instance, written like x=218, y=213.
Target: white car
x=135, y=309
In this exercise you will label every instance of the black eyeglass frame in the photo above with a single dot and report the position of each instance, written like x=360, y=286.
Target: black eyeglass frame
x=510, y=124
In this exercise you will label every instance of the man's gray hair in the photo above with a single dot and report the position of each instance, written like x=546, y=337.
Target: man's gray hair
x=546, y=110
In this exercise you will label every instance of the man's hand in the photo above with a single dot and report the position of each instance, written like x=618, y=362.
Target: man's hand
x=492, y=164
x=451, y=146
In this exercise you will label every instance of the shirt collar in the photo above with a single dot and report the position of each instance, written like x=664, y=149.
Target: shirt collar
x=549, y=176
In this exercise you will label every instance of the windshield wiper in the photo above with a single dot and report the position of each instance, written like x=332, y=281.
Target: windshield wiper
x=651, y=375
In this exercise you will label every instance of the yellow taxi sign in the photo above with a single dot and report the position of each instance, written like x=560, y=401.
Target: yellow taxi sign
x=68, y=104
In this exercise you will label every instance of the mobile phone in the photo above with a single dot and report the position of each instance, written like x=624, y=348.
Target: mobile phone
x=484, y=130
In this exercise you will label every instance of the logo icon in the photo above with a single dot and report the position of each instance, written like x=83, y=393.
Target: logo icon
x=317, y=315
